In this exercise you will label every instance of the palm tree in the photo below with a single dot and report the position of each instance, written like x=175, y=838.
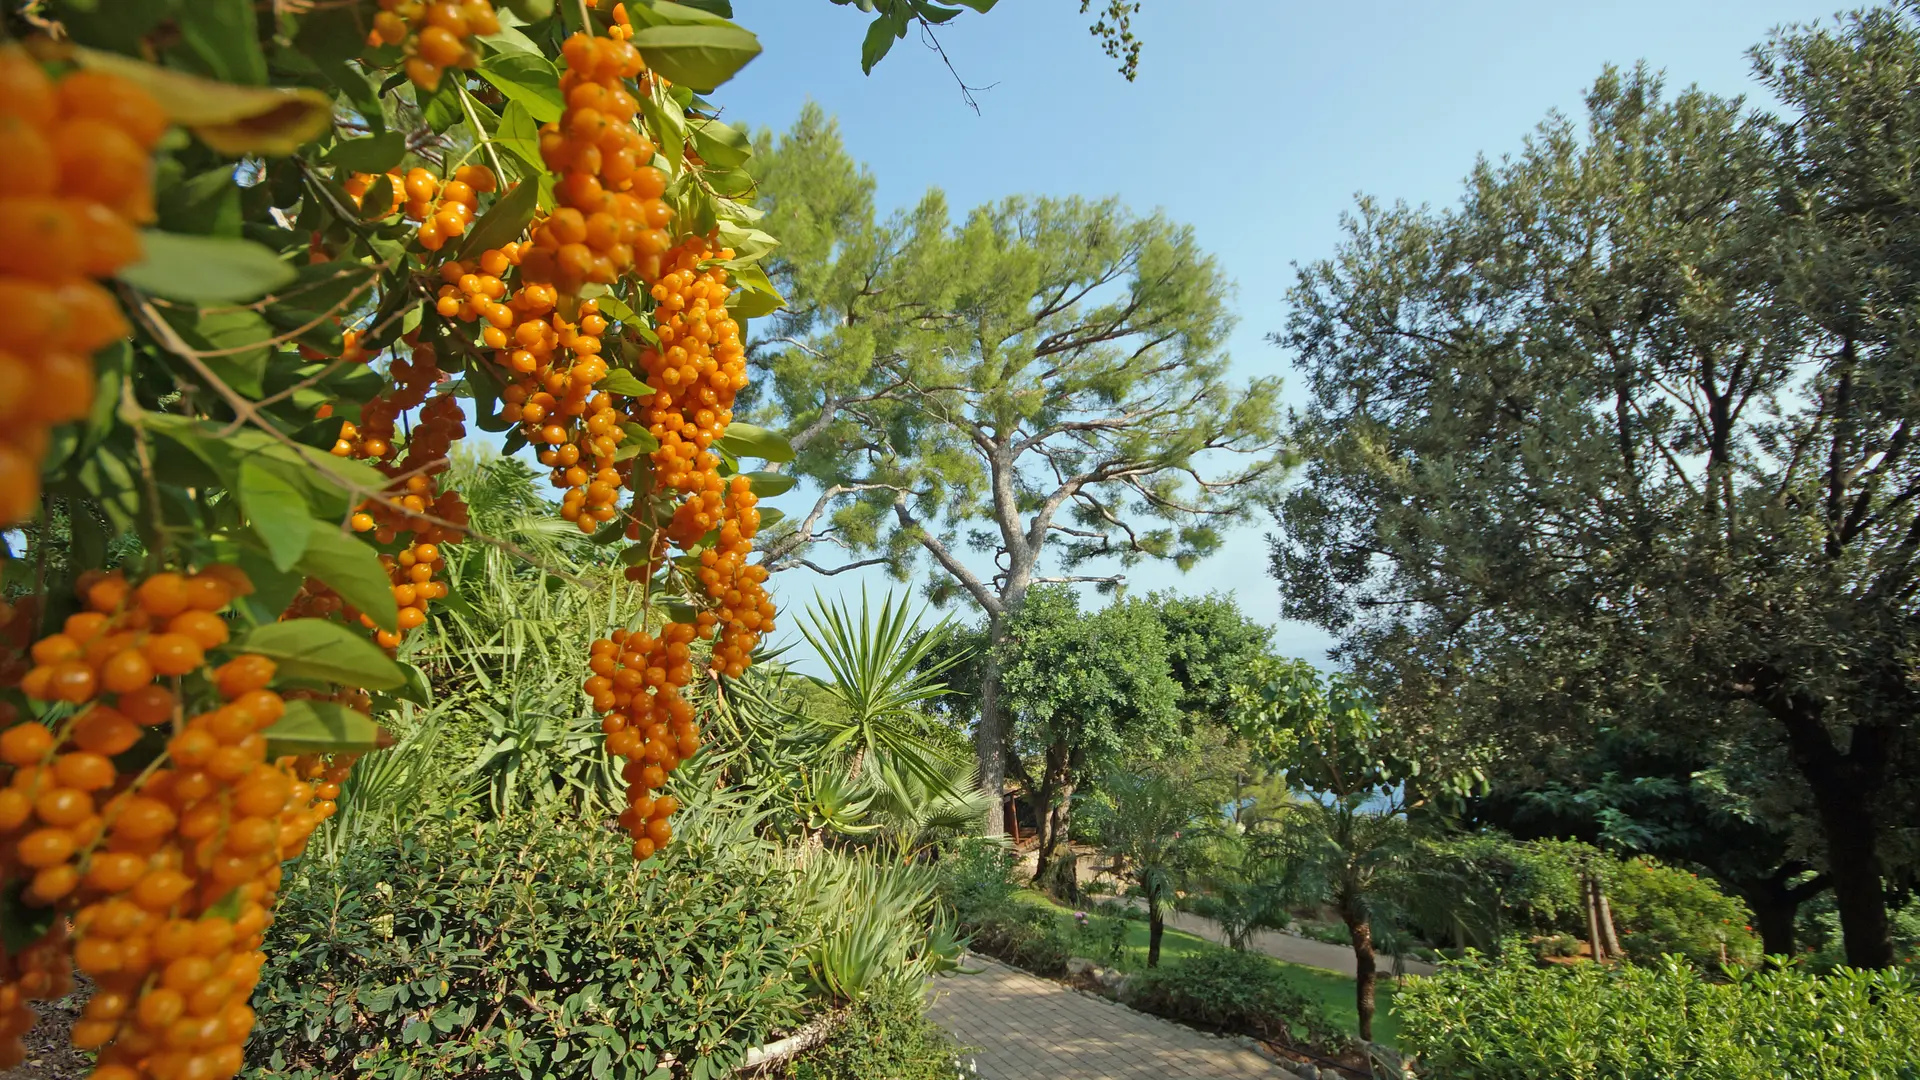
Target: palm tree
x=1356, y=854
x=1156, y=820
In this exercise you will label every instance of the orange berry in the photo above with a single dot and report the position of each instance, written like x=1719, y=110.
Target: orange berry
x=44, y=847
x=84, y=770
x=173, y=654
x=118, y=101
x=164, y=595
x=242, y=674
x=126, y=671
x=203, y=628
x=148, y=705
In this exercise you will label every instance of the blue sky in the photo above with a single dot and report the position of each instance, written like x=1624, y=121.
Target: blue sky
x=1256, y=122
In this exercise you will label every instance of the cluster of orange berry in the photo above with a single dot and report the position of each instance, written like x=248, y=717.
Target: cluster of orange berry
x=169, y=875
x=434, y=35
x=75, y=186
x=637, y=685
x=695, y=373
x=612, y=219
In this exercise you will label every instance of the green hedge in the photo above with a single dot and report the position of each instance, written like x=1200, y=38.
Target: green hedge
x=1509, y=1020
x=1238, y=992
x=534, y=948
x=885, y=1036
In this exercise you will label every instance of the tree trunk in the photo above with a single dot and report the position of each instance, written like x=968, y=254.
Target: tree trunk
x=1063, y=767
x=1596, y=944
x=1156, y=927
x=1043, y=854
x=990, y=733
x=1776, y=905
x=1609, y=934
x=1846, y=789
x=1365, y=972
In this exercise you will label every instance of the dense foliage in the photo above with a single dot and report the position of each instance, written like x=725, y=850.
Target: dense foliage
x=1233, y=991
x=1509, y=1020
x=885, y=1034
x=535, y=944
x=1623, y=443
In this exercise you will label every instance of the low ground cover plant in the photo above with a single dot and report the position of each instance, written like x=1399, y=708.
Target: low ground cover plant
x=1508, y=1019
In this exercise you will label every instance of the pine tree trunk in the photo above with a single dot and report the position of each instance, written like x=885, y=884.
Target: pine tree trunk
x=990, y=733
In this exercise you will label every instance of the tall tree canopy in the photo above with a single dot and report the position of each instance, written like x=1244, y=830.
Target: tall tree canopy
x=1627, y=440
x=1040, y=384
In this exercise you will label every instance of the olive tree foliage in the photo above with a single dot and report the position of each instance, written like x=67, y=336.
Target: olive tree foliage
x=1004, y=397
x=1627, y=441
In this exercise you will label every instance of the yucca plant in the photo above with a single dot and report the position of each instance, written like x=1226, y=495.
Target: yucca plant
x=884, y=669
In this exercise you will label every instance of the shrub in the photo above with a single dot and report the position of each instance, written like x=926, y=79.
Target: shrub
x=1509, y=1020
x=885, y=1035
x=976, y=881
x=1231, y=991
x=1556, y=945
x=1663, y=910
x=533, y=947
x=976, y=877
x=1026, y=937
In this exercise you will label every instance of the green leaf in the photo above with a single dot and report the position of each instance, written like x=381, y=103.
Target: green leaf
x=277, y=511
x=881, y=34
x=377, y=204
x=667, y=121
x=638, y=441
x=527, y=79
x=768, y=484
x=324, y=650
x=207, y=204
x=750, y=440
x=417, y=688
x=504, y=221
x=720, y=145
x=239, y=338
x=353, y=570
x=206, y=269
x=519, y=134
x=622, y=381
x=679, y=611
x=273, y=590
x=755, y=295
x=223, y=34
x=323, y=727
x=700, y=56
x=749, y=245
x=21, y=923
x=375, y=154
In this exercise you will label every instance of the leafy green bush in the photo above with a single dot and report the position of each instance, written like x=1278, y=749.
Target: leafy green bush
x=533, y=947
x=1231, y=991
x=976, y=882
x=885, y=1035
x=1026, y=937
x=1663, y=910
x=976, y=877
x=1507, y=1019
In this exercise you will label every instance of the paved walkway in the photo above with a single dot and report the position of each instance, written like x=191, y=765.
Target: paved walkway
x=1028, y=1028
x=1289, y=947
x=1294, y=948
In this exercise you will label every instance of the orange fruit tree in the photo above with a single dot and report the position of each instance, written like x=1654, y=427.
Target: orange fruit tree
x=261, y=267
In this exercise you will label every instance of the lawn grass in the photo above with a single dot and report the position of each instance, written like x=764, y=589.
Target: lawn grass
x=1332, y=991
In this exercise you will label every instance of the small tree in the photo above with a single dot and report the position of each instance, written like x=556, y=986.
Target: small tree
x=1155, y=819
x=1350, y=842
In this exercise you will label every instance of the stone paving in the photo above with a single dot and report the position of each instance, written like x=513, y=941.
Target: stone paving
x=1027, y=1028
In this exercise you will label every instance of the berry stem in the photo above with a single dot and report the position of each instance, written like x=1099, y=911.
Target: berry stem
x=473, y=117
